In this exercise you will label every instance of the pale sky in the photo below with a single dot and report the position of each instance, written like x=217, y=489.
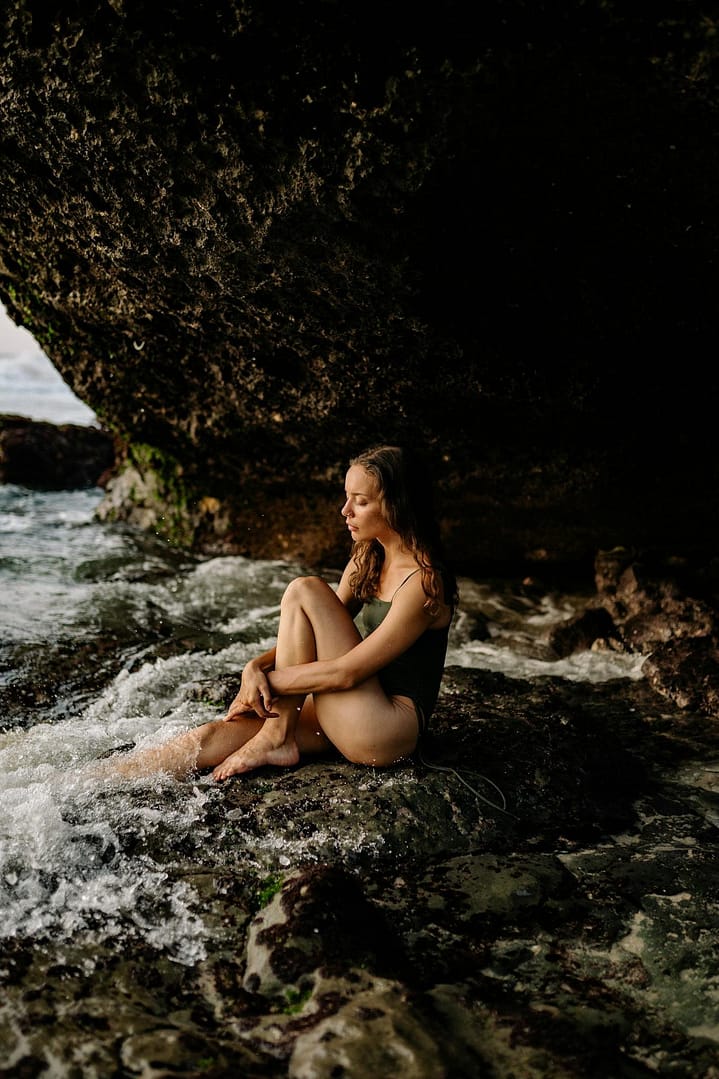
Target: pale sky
x=30, y=385
x=13, y=338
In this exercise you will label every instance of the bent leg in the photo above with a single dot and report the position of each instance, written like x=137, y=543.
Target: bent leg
x=314, y=624
x=363, y=723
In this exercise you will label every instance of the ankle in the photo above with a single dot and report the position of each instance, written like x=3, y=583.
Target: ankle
x=281, y=728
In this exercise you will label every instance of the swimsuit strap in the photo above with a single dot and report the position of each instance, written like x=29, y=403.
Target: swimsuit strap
x=404, y=582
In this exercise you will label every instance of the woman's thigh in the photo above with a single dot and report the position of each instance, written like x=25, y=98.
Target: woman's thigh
x=364, y=724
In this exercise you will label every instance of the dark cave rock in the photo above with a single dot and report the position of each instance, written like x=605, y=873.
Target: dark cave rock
x=53, y=456
x=257, y=238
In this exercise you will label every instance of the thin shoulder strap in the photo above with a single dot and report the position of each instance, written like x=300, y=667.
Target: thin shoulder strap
x=404, y=582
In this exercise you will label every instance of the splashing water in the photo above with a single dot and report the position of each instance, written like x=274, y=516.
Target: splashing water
x=80, y=855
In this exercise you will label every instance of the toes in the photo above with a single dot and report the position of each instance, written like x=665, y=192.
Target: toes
x=225, y=770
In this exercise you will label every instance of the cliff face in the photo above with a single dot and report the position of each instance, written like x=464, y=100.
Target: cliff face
x=258, y=237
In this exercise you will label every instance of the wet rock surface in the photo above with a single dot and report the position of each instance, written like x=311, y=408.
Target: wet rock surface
x=535, y=893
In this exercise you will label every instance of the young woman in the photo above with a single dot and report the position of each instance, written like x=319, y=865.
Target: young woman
x=369, y=694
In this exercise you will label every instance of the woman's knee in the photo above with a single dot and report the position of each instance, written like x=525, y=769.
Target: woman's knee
x=302, y=589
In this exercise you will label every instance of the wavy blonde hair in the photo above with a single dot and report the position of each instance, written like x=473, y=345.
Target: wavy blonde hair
x=407, y=502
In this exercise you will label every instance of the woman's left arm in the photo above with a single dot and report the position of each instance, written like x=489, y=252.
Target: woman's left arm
x=405, y=621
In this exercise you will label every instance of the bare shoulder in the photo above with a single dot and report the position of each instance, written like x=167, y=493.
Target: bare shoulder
x=411, y=596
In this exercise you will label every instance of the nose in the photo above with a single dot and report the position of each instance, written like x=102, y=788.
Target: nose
x=346, y=509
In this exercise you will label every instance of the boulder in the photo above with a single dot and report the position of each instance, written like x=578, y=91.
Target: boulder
x=53, y=456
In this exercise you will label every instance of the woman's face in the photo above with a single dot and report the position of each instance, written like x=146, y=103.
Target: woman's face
x=363, y=506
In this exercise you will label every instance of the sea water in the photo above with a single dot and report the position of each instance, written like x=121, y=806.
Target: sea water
x=66, y=579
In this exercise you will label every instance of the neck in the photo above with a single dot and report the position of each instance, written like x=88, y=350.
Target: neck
x=394, y=551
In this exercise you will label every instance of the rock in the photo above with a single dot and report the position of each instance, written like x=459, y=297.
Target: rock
x=53, y=457
x=565, y=935
x=651, y=610
x=581, y=632
x=256, y=243
x=320, y=918
x=377, y=1031
x=533, y=894
x=652, y=614
x=687, y=672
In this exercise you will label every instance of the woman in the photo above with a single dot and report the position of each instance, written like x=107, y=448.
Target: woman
x=325, y=684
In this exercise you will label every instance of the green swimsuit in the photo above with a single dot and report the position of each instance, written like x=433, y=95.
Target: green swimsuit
x=417, y=673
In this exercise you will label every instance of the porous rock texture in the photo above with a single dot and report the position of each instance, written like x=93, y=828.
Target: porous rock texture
x=406, y=922
x=257, y=237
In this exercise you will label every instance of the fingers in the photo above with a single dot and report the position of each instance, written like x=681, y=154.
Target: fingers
x=254, y=697
x=262, y=707
x=237, y=709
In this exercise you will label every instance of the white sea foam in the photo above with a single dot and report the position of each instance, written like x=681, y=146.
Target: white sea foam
x=515, y=639
x=599, y=666
x=63, y=864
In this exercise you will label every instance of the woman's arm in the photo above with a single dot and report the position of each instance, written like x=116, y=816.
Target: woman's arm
x=255, y=694
x=345, y=593
x=405, y=621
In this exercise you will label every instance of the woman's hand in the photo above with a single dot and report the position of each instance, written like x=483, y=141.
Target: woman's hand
x=254, y=695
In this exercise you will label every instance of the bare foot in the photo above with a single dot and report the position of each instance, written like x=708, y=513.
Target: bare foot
x=260, y=750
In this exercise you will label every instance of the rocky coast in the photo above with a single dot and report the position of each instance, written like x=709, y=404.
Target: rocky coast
x=534, y=894
x=255, y=238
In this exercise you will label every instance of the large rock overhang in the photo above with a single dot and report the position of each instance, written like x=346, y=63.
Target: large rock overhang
x=256, y=238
